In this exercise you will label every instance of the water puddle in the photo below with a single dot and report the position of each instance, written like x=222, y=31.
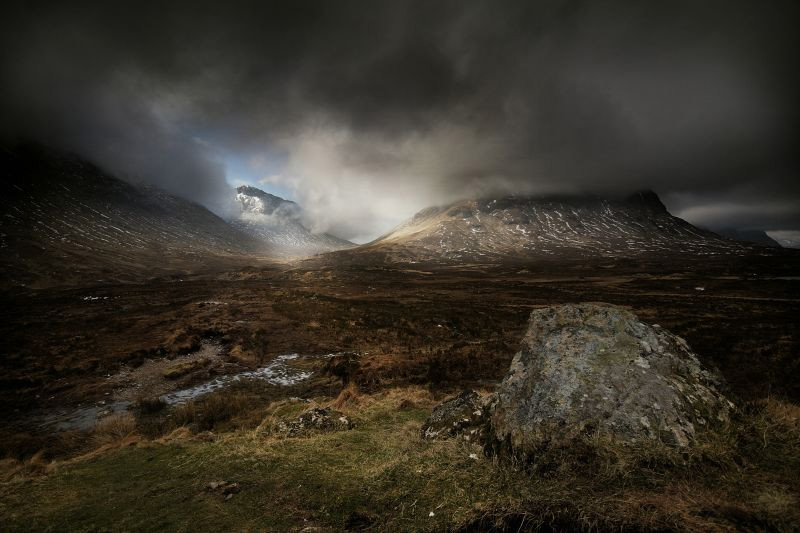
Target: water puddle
x=275, y=373
x=80, y=418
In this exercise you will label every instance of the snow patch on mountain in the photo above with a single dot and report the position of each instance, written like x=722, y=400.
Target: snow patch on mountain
x=278, y=222
x=555, y=227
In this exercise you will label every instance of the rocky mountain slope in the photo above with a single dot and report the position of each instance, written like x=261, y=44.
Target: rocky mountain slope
x=555, y=227
x=277, y=223
x=63, y=219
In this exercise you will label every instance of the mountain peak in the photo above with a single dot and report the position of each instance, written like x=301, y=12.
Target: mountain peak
x=649, y=199
x=249, y=190
x=278, y=222
x=255, y=201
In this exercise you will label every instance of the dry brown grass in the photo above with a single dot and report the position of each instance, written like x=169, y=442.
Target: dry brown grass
x=225, y=410
x=34, y=466
x=349, y=397
x=182, y=433
x=182, y=340
x=411, y=397
x=782, y=413
x=114, y=428
x=243, y=356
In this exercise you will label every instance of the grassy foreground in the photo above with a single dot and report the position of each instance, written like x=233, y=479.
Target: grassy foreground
x=381, y=475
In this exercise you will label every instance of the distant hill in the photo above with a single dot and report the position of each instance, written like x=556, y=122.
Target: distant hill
x=786, y=238
x=496, y=229
x=757, y=237
x=277, y=222
x=63, y=219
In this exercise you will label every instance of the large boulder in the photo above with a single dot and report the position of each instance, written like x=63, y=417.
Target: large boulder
x=595, y=368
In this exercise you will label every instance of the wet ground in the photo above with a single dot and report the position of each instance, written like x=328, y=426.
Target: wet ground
x=72, y=355
x=148, y=382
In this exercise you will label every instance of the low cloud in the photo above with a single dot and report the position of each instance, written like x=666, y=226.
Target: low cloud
x=371, y=111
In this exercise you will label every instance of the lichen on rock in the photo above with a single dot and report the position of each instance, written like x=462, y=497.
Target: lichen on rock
x=316, y=419
x=465, y=414
x=595, y=368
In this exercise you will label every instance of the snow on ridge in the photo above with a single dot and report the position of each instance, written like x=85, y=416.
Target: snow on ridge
x=276, y=221
x=525, y=226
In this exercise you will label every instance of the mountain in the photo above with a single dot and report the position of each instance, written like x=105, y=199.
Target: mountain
x=526, y=228
x=757, y=237
x=277, y=222
x=786, y=238
x=63, y=219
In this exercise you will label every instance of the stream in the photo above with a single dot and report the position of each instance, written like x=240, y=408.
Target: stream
x=84, y=418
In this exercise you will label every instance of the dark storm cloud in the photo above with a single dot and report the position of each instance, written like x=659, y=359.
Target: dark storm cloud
x=382, y=108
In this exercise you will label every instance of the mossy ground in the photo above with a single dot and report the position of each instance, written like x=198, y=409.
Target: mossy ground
x=381, y=475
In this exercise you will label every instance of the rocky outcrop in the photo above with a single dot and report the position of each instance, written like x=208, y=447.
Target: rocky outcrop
x=316, y=419
x=595, y=368
x=465, y=414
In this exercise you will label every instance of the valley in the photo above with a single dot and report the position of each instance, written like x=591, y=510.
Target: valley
x=399, y=266
x=260, y=364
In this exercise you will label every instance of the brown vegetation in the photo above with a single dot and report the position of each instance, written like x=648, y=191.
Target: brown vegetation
x=406, y=339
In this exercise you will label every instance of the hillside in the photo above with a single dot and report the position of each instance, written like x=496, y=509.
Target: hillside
x=522, y=228
x=757, y=237
x=64, y=219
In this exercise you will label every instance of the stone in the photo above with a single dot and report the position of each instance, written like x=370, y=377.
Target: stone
x=596, y=368
x=464, y=415
x=231, y=488
x=224, y=488
x=319, y=419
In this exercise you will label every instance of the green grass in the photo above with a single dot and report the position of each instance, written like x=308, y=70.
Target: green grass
x=382, y=475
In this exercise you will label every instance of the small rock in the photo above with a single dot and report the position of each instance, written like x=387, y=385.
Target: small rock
x=317, y=418
x=231, y=488
x=214, y=485
x=457, y=415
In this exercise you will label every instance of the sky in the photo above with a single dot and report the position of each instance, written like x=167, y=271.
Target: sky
x=366, y=111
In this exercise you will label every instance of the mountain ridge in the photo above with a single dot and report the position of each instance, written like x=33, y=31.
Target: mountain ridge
x=530, y=227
